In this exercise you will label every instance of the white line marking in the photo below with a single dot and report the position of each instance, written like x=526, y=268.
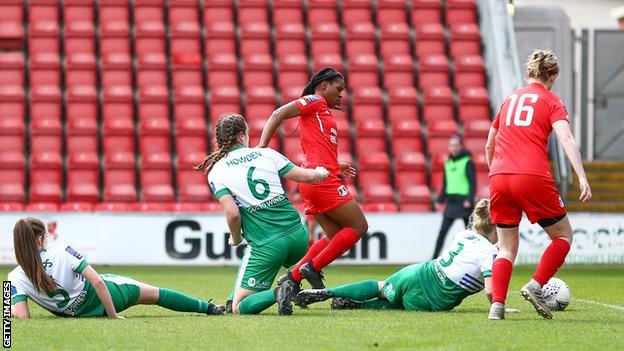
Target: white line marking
x=591, y=302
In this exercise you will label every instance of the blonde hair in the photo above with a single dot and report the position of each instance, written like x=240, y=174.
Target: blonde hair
x=480, y=220
x=542, y=65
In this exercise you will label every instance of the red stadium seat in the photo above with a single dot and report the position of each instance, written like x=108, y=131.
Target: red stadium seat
x=255, y=11
x=222, y=68
x=465, y=40
x=477, y=128
x=391, y=11
x=402, y=103
x=476, y=146
x=258, y=71
x=45, y=185
x=12, y=185
x=77, y=207
x=380, y=207
x=78, y=21
x=290, y=39
x=398, y=72
x=474, y=104
x=156, y=186
x=433, y=71
x=374, y=128
x=406, y=128
x=367, y=104
x=11, y=206
x=192, y=186
x=374, y=161
x=190, y=150
x=218, y=12
x=438, y=104
x=400, y=145
x=366, y=145
x=429, y=40
x=83, y=185
x=469, y=72
x=322, y=11
x=356, y=11
x=325, y=39
x=415, y=198
x=292, y=68
x=404, y=179
x=395, y=40
x=220, y=39
x=287, y=12
x=378, y=193
x=369, y=178
x=461, y=11
x=363, y=71
x=442, y=128
x=255, y=39
x=425, y=11
x=42, y=207
x=114, y=20
x=360, y=39
x=155, y=152
x=260, y=102
x=333, y=61
x=224, y=100
x=113, y=207
x=119, y=185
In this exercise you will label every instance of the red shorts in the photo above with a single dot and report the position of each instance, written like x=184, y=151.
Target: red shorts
x=512, y=194
x=325, y=196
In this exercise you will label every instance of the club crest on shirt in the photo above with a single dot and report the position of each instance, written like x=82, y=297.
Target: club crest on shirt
x=343, y=191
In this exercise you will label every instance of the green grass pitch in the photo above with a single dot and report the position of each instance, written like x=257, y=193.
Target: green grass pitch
x=585, y=325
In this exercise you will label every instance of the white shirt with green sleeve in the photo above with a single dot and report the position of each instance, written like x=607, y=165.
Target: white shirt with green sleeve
x=252, y=177
x=65, y=265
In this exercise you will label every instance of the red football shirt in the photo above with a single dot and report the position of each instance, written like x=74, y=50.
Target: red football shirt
x=319, y=134
x=524, y=123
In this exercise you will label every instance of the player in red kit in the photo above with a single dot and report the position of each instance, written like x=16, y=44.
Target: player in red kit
x=334, y=208
x=520, y=179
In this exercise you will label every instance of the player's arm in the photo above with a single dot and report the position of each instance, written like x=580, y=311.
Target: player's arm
x=307, y=175
x=233, y=219
x=286, y=111
x=20, y=310
x=489, y=145
x=567, y=141
x=101, y=290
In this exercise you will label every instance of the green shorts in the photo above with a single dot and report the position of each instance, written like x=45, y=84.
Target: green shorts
x=261, y=264
x=124, y=292
x=404, y=289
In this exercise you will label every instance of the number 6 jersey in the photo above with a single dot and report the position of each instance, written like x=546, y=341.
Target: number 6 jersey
x=252, y=177
x=524, y=123
x=65, y=265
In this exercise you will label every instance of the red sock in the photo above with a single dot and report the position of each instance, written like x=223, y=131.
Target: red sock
x=339, y=244
x=314, y=250
x=501, y=275
x=553, y=257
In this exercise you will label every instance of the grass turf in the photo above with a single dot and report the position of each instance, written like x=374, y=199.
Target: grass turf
x=583, y=326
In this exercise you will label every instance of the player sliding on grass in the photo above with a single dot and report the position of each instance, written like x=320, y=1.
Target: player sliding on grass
x=247, y=183
x=436, y=285
x=60, y=280
x=520, y=179
x=335, y=209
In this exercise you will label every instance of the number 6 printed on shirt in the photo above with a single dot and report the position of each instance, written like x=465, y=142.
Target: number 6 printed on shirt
x=521, y=107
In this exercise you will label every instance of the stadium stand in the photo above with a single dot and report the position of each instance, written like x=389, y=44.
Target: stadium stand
x=109, y=104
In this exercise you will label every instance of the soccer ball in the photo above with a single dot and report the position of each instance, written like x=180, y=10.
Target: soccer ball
x=557, y=294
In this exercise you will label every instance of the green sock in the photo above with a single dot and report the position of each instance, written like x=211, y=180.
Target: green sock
x=360, y=291
x=177, y=301
x=378, y=304
x=256, y=303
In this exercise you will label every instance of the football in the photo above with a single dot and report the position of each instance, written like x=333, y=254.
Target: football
x=557, y=294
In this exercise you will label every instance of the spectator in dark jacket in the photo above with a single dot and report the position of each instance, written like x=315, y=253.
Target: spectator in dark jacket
x=458, y=189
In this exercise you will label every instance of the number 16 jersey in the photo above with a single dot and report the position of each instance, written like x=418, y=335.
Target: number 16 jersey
x=252, y=177
x=524, y=123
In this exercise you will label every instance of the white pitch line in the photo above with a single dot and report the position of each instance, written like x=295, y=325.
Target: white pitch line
x=591, y=302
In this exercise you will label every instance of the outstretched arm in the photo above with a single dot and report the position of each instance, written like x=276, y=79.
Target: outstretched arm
x=232, y=216
x=286, y=111
x=20, y=310
x=564, y=135
x=307, y=175
x=101, y=290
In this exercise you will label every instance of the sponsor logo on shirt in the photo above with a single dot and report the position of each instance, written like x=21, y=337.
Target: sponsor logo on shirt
x=343, y=191
x=308, y=99
x=13, y=290
x=213, y=187
x=251, y=281
x=73, y=252
x=47, y=264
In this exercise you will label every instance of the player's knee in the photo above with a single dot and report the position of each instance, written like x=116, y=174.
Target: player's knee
x=361, y=227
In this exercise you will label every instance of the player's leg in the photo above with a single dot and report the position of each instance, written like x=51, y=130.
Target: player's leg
x=175, y=300
x=358, y=291
x=560, y=232
x=447, y=222
x=315, y=249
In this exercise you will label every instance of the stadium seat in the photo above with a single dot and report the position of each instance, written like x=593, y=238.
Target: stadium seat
x=370, y=127
x=83, y=185
x=322, y=11
x=333, y=61
x=378, y=193
x=292, y=68
x=438, y=104
x=260, y=103
x=76, y=207
x=395, y=40
x=391, y=11
x=409, y=169
x=465, y=40
x=287, y=12
x=255, y=39
x=114, y=20
x=461, y=11
x=290, y=39
x=119, y=185
x=367, y=104
x=425, y=11
x=257, y=71
x=363, y=71
x=474, y=104
x=11, y=206
x=222, y=69
x=255, y=11
x=400, y=145
x=356, y=11
x=45, y=184
x=374, y=161
x=220, y=39
x=218, y=12
x=156, y=185
x=224, y=99
x=190, y=149
x=325, y=39
x=415, y=198
x=192, y=186
x=402, y=103
x=429, y=40
x=439, y=133
x=433, y=71
x=42, y=207
x=369, y=178
x=469, y=72
x=360, y=39
x=366, y=145
x=477, y=128
x=398, y=71
x=12, y=185
x=476, y=146
x=406, y=128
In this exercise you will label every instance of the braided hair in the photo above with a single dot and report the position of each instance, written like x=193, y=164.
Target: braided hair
x=226, y=132
x=322, y=75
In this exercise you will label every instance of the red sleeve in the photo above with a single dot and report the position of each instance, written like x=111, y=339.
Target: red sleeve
x=559, y=112
x=308, y=103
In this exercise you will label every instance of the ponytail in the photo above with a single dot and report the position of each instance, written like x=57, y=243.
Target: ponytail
x=25, y=234
x=226, y=131
x=480, y=220
x=542, y=65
